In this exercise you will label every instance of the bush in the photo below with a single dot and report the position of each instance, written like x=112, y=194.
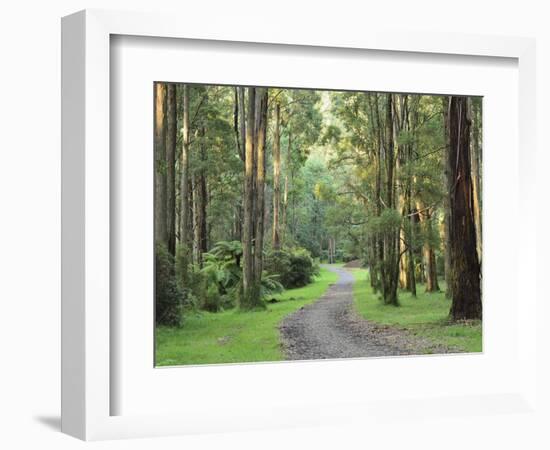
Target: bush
x=270, y=285
x=218, y=283
x=221, y=274
x=294, y=267
x=168, y=295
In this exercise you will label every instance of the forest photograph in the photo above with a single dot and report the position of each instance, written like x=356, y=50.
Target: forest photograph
x=302, y=224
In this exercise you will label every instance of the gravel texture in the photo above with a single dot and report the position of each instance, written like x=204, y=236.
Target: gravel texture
x=330, y=328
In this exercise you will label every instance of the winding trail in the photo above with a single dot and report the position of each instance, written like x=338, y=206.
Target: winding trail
x=330, y=328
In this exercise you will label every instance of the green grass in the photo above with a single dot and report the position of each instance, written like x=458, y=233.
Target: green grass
x=426, y=316
x=233, y=336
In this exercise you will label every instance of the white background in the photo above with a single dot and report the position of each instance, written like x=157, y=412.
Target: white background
x=30, y=187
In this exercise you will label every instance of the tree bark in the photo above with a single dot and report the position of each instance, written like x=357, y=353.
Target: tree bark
x=445, y=238
x=161, y=229
x=410, y=237
x=249, y=297
x=238, y=144
x=276, y=178
x=284, y=219
x=403, y=263
x=185, y=240
x=390, y=266
x=262, y=93
x=204, y=217
x=412, y=124
x=171, y=140
x=242, y=116
x=201, y=195
x=240, y=138
x=476, y=173
x=430, y=268
x=376, y=269
x=447, y=205
x=466, y=284
x=195, y=218
x=191, y=217
x=400, y=206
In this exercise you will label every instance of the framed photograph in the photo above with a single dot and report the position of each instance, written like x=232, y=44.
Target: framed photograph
x=250, y=219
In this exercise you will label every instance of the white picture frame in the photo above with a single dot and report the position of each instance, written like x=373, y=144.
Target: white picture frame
x=87, y=383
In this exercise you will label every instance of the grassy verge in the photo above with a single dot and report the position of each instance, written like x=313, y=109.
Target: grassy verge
x=233, y=336
x=426, y=315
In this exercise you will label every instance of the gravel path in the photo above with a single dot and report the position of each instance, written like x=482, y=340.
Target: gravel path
x=330, y=328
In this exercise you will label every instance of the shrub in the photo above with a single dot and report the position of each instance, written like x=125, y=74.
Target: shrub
x=222, y=277
x=270, y=285
x=218, y=283
x=168, y=295
x=221, y=274
x=294, y=267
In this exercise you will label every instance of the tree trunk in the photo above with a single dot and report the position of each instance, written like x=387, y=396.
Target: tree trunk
x=447, y=205
x=285, y=194
x=330, y=250
x=466, y=286
x=390, y=266
x=432, y=284
x=372, y=261
x=476, y=172
x=276, y=178
x=262, y=94
x=242, y=116
x=402, y=245
x=412, y=125
x=204, y=221
x=184, y=185
x=411, y=277
x=447, y=252
x=195, y=218
x=191, y=218
x=240, y=137
x=238, y=144
x=430, y=269
x=200, y=194
x=403, y=263
x=376, y=270
x=171, y=140
x=161, y=229
x=250, y=294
